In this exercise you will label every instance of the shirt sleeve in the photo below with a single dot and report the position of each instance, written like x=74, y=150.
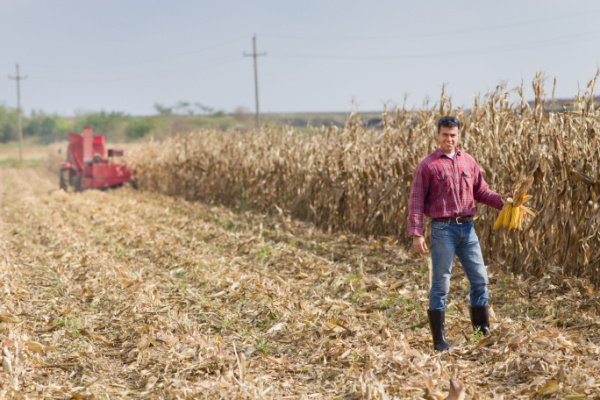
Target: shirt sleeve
x=482, y=194
x=416, y=202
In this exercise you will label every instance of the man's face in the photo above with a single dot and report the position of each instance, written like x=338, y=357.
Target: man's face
x=448, y=138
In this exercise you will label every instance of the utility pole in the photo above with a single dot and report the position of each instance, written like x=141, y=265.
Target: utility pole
x=255, y=54
x=19, y=122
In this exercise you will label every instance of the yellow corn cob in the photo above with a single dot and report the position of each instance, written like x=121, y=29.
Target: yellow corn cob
x=499, y=220
x=507, y=214
x=514, y=216
x=521, y=214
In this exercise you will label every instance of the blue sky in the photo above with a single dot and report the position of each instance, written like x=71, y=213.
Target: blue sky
x=127, y=55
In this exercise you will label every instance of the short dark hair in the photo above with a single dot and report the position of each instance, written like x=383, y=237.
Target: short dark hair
x=448, y=122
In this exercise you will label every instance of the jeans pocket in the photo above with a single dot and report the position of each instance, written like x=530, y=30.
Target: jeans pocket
x=439, y=225
x=438, y=228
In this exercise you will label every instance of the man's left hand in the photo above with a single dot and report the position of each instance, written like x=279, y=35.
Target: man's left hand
x=506, y=196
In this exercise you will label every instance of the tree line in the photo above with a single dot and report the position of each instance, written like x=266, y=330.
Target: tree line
x=44, y=128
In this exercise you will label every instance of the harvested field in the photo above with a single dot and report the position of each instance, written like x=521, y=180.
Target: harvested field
x=33, y=155
x=127, y=294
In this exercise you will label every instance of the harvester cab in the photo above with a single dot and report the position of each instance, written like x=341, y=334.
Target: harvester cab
x=87, y=166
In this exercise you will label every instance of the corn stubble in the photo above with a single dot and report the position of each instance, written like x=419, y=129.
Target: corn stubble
x=125, y=294
x=358, y=180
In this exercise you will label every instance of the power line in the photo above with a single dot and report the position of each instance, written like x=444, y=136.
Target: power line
x=19, y=122
x=219, y=63
x=144, y=61
x=432, y=34
x=254, y=55
x=455, y=52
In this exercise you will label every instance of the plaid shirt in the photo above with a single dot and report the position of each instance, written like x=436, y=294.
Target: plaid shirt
x=443, y=188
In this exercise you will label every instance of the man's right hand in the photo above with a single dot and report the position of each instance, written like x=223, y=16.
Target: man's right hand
x=419, y=244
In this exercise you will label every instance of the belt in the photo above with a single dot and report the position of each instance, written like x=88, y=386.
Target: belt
x=454, y=220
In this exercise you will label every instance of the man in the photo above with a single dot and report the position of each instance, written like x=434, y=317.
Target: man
x=445, y=187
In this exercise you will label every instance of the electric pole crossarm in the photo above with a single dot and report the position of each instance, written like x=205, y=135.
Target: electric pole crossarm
x=254, y=54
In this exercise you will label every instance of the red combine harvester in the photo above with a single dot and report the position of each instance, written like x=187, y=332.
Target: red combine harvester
x=86, y=166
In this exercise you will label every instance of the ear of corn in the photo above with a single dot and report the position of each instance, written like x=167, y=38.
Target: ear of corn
x=513, y=214
x=507, y=216
x=520, y=219
x=514, y=218
x=499, y=220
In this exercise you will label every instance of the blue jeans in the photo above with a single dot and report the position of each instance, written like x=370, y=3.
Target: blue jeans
x=446, y=240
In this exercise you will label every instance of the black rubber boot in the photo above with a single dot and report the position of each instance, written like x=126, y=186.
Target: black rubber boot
x=480, y=319
x=436, y=323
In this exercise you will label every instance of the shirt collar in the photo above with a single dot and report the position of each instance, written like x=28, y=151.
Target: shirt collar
x=438, y=152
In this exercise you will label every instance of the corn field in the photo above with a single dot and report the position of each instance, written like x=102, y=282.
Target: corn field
x=358, y=180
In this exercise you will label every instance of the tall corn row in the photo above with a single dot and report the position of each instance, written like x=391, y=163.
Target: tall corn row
x=359, y=180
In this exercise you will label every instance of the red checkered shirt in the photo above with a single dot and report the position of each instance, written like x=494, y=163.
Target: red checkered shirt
x=443, y=188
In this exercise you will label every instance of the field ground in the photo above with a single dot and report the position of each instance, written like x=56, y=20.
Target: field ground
x=126, y=294
x=33, y=156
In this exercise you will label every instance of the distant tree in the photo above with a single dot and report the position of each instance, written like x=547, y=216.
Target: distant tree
x=187, y=108
x=163, y=111
x=46, y=128
x=109, y=124
x=139, y=127
x=8, y=124
x=183, y=107
x=205, y=109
